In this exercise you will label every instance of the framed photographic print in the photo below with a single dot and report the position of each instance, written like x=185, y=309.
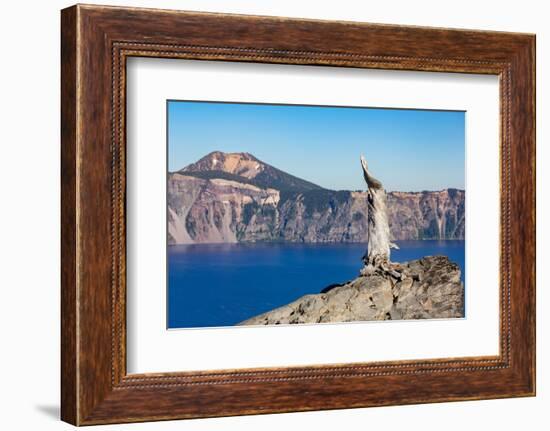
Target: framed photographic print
x=255, y=237
x=266, y=215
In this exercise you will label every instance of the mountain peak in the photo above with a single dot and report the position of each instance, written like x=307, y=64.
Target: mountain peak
x=246, y=167
x=241, y=154
x=241, y=164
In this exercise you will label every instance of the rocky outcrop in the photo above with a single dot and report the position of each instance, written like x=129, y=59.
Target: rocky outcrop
x=428, y=288
x=235, y=197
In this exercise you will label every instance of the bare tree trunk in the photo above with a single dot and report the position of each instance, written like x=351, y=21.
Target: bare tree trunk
x=379, y=244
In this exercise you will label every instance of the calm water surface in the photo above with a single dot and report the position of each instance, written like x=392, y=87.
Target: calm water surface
x=223, y=284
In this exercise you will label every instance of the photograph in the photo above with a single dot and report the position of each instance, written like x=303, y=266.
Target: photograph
x=282, y=214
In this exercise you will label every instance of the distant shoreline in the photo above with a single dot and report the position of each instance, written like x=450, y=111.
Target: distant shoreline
x=312, y=243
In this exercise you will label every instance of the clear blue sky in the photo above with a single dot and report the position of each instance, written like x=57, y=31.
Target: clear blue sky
x=408, y=150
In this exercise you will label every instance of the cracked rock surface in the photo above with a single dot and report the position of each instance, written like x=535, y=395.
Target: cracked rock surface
x=429, y=288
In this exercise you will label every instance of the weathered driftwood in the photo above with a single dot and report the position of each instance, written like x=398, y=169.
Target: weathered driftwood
x=377, y=255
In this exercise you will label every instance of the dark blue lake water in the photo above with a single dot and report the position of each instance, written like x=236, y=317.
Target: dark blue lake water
x=223, y=284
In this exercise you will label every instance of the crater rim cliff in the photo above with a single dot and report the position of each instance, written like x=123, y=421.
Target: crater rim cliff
x=236, y=197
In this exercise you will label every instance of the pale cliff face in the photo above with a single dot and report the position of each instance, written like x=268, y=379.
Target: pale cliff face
x=427, y=215
x=209, y=211
x=237, y=198
x=214, y=210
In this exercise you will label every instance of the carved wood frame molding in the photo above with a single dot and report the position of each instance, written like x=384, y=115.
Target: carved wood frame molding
x=96, y=41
